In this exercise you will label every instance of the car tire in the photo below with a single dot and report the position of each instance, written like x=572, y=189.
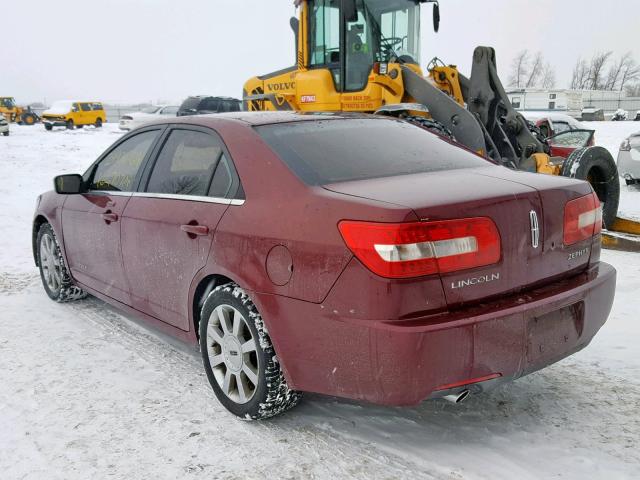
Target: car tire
x=54, y=274
x=250, y=385
x=48, y=127
x=70, y=125
x=596, y=165
x=6, y=134
x=98, y=123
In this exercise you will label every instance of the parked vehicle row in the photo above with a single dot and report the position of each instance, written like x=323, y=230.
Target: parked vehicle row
x=195, y=105
x=297, y=271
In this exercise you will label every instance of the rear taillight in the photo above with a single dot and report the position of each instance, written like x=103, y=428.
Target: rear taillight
x=626, y=146
x=582, y=219
x=404, y=250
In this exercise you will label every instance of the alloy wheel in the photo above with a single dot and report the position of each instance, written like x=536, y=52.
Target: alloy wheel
x=51, y=268
x=231, y=348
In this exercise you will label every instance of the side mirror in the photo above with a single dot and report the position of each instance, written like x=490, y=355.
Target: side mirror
x=69, y=184
x=436, y=17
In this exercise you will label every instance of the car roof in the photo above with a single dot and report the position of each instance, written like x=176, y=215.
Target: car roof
x=264, y=118
x=214, y=96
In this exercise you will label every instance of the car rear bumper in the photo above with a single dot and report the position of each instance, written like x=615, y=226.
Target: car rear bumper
x=405, y=362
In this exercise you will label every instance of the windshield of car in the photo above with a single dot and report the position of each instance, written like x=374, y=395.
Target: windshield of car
x=150, y=109
x=330, y=151
x=60, y=107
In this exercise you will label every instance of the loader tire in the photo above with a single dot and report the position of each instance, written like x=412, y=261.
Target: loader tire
x=28, y=119
x=431, y=125
x=596, y=166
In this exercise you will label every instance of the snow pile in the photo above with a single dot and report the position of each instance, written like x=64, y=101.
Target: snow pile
x=88, y=393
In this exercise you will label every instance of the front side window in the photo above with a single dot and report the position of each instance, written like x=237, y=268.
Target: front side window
x=329, y=151
x=399, y=28
x=75, y=107
x=186, y=164
x=325, y=33
x=118, y=170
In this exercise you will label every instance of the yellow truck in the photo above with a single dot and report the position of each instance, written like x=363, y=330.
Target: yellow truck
x=72, y=114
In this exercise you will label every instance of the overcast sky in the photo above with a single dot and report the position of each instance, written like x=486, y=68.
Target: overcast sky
x=163, y=50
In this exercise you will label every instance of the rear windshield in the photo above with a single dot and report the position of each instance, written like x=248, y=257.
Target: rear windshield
x=332, y=151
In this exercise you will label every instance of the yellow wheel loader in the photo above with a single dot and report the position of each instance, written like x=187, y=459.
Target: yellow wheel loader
x=362, y=56
x=14, y=113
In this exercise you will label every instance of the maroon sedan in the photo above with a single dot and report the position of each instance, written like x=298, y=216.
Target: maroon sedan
x=355, y=256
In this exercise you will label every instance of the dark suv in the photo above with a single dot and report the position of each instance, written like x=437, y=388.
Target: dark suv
x=201, y=105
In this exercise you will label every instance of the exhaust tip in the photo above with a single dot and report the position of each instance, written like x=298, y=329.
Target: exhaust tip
x=458, y=398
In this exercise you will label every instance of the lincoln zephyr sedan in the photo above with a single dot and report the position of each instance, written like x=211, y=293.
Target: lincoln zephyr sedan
x=348, y=255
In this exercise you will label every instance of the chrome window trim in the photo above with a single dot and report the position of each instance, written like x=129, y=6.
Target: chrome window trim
x=168, y=196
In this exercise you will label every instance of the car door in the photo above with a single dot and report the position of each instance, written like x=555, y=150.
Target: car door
x=168, y=227
x=91, y=221
x=86, y=114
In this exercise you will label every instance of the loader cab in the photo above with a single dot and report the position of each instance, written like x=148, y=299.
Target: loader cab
x=348, y=37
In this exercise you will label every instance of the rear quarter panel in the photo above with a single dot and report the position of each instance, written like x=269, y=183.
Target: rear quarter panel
x=282, y=211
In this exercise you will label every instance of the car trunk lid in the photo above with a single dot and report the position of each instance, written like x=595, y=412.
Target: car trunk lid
x=514, y=201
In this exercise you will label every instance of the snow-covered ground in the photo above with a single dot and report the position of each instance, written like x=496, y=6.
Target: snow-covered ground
x=86, y=392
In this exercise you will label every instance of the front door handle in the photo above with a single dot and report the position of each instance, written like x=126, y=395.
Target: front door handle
x=195, y=230
x=110, y=217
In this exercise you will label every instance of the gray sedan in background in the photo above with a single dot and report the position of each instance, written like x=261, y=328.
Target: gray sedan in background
x=629, y=159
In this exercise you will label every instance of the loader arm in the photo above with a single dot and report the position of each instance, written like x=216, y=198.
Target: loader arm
x=487, y=100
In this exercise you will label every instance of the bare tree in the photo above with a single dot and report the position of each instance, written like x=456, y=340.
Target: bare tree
x=613, y=76
x=596, y=70
x=580, y=75
x=519, y=69
x=548, y=76
x=630, y=71
x=535, y=70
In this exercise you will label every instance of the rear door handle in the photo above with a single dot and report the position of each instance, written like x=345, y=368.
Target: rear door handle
x=196, y=230
x=110, y=217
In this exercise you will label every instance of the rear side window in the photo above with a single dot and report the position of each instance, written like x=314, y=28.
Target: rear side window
x=86, y=107
x=222, y=179
x=331, y=151
x=210, y=104
x=186, y=164
x=118, y=170
x=97, y=106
